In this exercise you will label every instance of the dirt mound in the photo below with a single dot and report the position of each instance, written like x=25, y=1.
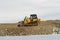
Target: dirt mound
x=44, y=27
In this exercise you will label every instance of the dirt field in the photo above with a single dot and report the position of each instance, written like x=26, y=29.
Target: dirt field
x=44, y=27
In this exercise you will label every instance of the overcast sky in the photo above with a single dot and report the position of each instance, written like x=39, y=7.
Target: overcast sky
x=16, y=10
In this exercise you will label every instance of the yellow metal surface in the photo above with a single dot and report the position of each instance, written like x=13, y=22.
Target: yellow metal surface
x=26, y=21
x=35, y=20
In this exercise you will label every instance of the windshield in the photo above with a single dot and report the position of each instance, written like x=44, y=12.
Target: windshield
x=33, y=17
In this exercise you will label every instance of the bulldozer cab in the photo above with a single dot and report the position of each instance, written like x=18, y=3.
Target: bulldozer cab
x=33, y=16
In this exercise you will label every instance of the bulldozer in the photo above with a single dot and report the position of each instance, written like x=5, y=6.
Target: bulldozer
x=31, y=21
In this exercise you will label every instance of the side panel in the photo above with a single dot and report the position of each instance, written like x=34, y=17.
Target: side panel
x=26, y=21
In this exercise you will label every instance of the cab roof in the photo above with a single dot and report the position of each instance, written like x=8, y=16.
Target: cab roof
x=33, y=15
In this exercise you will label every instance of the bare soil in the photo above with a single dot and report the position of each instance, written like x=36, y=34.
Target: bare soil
x=44, y=28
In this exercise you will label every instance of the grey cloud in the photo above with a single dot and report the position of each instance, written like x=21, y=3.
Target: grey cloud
x=17, y=8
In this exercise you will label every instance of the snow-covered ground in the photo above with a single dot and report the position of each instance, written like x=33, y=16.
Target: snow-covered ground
x=33, y=37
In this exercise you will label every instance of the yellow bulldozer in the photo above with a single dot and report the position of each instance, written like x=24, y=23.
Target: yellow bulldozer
x=32, y=21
